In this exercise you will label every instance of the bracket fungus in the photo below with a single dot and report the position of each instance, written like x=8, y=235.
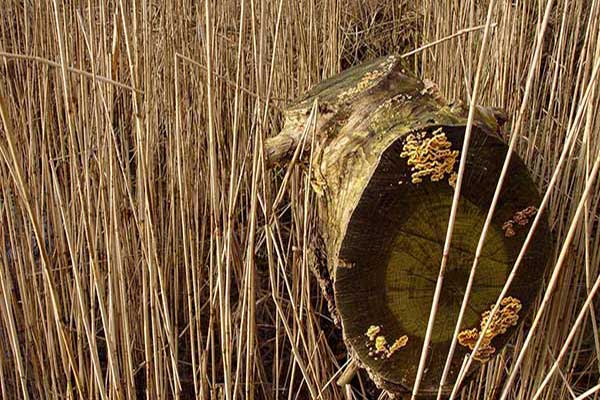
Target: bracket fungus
x=430, y=156
x=378, y=345
x=506, y=317
x=384, y=157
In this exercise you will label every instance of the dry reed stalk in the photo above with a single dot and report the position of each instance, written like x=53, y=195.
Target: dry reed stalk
x=148, y=252
x=454, y=207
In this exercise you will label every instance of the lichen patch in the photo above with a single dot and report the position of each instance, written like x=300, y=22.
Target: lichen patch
x=432, y=89
x=390, y=112
x=430, y=156
x=368, y=80
x=506, y=317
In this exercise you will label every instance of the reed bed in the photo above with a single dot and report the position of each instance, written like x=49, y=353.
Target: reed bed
x=149, y=252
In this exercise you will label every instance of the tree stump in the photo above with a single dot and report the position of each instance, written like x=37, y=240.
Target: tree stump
x=385, y=156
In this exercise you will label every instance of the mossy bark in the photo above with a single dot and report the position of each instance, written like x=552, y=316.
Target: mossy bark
x=384, y=158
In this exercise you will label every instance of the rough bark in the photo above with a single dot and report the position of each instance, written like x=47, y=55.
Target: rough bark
x=385, y=155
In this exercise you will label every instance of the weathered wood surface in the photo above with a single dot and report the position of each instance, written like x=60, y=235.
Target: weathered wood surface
x=384, y=159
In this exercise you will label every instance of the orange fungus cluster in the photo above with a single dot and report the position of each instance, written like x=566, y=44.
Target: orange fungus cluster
x=378, y=345
x=430, y=156
x=519, y=218
x=506, y=317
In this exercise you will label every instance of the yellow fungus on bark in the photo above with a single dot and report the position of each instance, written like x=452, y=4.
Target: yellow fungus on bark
x=373, y=331
x=506, y=317
x=398, y=344
x=519, y=218
x=378, y=345
x=430, y=156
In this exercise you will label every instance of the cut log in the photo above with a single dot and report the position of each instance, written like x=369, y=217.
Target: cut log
x=385, y=158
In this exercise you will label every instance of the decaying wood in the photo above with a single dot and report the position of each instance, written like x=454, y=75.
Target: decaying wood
x=369, y=119
x=361, y=112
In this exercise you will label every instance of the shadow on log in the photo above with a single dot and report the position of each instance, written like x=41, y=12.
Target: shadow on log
x=385, y=154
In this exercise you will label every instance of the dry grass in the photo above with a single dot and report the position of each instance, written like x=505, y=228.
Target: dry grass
x=149, y=252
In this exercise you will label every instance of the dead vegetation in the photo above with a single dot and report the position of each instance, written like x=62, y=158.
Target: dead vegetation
x=148, y=251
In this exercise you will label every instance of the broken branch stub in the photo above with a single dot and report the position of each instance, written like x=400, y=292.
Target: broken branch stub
x=385, y=157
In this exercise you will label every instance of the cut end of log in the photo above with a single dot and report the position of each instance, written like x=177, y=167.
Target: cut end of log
x=395, y=241
x=384, y=163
